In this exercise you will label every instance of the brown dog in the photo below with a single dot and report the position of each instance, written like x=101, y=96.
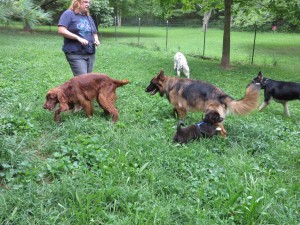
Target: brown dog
x=207, y=128
x=80, y=91
x=195, y=95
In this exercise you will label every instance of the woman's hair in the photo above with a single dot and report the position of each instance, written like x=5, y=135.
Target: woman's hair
x=75, y=6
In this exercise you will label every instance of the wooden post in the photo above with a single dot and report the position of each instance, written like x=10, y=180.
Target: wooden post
x=253, y=44
x=167, y=32
x=115, y=28
x=204, y=40
x=139, y=31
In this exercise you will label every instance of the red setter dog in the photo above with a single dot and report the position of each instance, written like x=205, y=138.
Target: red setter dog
x=80, y=91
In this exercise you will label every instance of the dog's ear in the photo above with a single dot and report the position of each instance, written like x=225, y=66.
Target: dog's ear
x=220, y=119
x=161, y=75
x=217, y=118
x=213, y=117
x=179, y=124
x=51, y=96
x=260, y=75
x=63, y=103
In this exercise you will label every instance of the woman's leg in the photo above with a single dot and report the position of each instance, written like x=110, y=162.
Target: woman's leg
x=78, y=64
x=90, y=63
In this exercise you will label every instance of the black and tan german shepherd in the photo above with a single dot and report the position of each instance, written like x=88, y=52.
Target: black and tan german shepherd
x=279, y=91
x=187, y=95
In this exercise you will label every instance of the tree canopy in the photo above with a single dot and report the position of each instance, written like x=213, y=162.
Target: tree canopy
x=238, y=13
x=27, y=11
x=244, y=13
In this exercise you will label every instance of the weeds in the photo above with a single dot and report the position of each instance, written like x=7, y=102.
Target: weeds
x=89, y=171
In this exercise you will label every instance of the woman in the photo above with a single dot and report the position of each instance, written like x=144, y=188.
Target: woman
x=80, y=37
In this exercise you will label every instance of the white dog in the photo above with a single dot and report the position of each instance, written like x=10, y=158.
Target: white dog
x=181, y=65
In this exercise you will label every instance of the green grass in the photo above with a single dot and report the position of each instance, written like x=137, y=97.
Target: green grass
x=88, y=171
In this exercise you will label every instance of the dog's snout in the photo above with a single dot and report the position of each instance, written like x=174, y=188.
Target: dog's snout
x=46, y=106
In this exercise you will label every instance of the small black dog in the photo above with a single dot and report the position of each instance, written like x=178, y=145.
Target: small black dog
x=206, y=128
x=280, y=91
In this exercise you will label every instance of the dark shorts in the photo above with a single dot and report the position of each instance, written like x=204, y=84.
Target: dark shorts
x=80, y=64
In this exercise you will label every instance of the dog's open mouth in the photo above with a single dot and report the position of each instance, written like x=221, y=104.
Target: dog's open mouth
x=50, y=108
x=152, y=89
x=153, y=92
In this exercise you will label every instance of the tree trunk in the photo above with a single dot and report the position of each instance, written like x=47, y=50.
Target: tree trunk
x=225, y=63
x=119, y=19
x=206, y=19
x=27, y=27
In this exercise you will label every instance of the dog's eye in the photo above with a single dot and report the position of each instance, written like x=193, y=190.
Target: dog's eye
x=52, y=97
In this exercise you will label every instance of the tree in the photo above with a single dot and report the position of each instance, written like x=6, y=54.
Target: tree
x=263, y=12
x=287, y=11
x=205, y=8
x=30, y=14
x=34, y=12
x=24, y=10
x=6, y=11
x=142, y=8
x=56, y=7
x=247, y=17
x=120, y=7
x=135, y=8
x=101, y=12
x=225, y=61
x=167, y=6
x=209, y=5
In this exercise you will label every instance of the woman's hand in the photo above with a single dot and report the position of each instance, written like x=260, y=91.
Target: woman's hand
x=97, y=42
x=96, y=38
x=83, y=41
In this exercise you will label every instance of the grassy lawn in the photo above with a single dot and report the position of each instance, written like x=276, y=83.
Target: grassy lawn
x=89, y=171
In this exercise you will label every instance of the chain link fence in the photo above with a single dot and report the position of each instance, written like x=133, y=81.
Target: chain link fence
x=189, y=36
x=173, y=22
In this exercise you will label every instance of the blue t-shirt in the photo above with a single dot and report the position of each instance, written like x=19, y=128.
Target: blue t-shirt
x=82, y=26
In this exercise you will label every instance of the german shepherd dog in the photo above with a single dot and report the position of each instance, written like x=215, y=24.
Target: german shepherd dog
x=187, y=95
x=280, y=91
x=207, y=128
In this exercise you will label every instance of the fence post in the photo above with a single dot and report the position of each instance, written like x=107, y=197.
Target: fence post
x=115, y=28
x=204, y=40
x=139, y=31
x=167, y=32
x=253, y=44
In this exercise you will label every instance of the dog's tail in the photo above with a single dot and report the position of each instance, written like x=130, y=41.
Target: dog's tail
x=247, y=104
x=120, y=83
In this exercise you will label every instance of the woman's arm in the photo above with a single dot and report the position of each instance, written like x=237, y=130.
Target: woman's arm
x=67, y=34
x=96, y=42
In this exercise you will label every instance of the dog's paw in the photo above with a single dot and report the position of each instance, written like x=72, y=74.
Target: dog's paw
x=77, y=108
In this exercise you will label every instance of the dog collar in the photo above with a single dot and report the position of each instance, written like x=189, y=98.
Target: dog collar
x=199, y=124
x=264, y=83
